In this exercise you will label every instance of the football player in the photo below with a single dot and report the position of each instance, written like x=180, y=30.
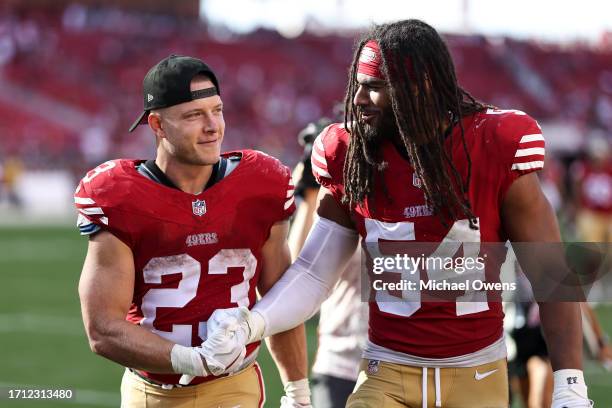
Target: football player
x=593, y=186
x=173, y=239
x=419, y=159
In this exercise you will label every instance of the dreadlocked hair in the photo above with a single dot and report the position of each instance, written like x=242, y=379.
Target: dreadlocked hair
x=425, y=98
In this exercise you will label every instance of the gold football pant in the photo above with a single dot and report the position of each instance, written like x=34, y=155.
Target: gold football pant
x=244, y=390
x=388, y=385
x=593, y=226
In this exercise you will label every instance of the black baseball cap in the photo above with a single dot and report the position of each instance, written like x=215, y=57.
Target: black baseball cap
x=168, y=84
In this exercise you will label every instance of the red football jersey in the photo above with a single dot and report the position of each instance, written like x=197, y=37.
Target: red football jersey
x=193, y=254
x=595, y=187
x=503, y=144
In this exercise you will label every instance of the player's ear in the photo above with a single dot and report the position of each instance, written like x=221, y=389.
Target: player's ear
x=155, y=123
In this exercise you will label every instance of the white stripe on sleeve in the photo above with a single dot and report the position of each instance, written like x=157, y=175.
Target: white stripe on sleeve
x=530, y=151
x=318, y=157
x=92, y=211
x=289, y=202
x=83, y=200
x=320, y=171
x=532, y=138
x=528, y=166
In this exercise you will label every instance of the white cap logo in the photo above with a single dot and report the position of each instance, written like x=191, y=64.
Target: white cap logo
x=149, y=97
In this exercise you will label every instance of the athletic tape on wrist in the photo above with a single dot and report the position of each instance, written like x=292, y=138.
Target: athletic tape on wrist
x=299, y=391
x=569, y=379
x=185, y=360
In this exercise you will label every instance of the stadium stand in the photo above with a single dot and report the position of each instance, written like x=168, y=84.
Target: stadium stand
x=82, y=68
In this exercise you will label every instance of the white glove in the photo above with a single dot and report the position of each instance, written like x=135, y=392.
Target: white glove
x=251, y=325
x=223, y=351
x=570, y=390
x=297, y=395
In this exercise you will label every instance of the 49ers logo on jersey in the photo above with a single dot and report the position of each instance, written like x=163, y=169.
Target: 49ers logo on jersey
x=198, y=207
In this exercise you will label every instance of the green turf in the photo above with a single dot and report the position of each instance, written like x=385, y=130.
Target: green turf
x=42, y=338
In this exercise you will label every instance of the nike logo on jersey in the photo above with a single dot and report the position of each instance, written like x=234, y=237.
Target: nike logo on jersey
x=479, y=376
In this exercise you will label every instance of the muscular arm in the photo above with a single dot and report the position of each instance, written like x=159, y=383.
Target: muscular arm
x=302, y=222
x=328, y=207
x=106, y=288
x=288, y=349
x=528, y=217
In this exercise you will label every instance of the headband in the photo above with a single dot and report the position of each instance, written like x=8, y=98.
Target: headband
x=370, y=60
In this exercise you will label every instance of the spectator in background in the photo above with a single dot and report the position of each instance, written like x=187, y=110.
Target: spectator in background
x=529, y=369
x=10, y=171
x=343, y=316
x=593, y=189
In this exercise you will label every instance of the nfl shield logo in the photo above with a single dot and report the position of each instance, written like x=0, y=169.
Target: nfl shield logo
x=199, y=207
x=416, y=181
x=373, y=366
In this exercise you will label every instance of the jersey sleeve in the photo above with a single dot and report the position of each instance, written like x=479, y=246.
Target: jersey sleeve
x=289, y=197
x=522, y=145
x=318, y=160
x=275, y=186
x=327, y=161
x=98, y=208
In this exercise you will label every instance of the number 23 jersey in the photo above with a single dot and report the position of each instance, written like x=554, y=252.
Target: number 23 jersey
x=503, y=145
x=193, y=253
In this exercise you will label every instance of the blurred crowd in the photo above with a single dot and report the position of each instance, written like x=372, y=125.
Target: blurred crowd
x=72, y=80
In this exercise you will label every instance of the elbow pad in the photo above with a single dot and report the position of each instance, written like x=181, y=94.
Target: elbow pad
x=298, y=294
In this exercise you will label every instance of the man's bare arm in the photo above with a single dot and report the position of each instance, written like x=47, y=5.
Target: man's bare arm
x=528, y=217
x=288, y=349
x=328, y=207
x=302, y=221
x=106, y=289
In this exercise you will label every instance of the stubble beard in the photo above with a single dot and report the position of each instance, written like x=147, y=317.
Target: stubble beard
x=384, y=128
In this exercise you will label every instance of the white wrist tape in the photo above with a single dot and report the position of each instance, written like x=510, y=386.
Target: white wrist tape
x=298, y=294
x=257, y=326
x=186, y=360
x=569, y=380
x=299, y=391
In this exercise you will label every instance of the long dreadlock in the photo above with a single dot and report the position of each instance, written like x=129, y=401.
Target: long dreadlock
x=424, y=100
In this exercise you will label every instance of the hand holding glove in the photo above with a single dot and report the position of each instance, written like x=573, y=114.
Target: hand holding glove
x=223, y=351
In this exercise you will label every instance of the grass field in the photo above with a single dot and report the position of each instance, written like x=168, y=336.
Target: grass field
x=43, y=343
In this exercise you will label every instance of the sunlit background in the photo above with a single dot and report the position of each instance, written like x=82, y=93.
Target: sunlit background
x=70, y=85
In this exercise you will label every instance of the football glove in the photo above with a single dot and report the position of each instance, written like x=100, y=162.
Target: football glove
x=249, y=325
x=570, y=390
x=223, y=351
